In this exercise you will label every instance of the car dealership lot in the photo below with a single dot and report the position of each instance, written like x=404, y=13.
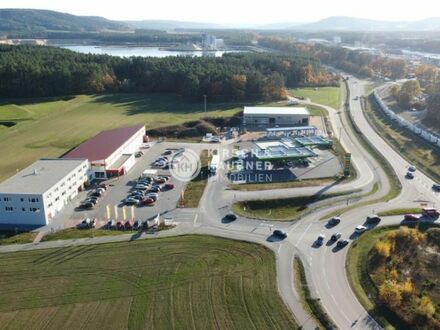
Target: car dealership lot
x=119, y=188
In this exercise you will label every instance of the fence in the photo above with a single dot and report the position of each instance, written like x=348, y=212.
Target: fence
x=424, y=133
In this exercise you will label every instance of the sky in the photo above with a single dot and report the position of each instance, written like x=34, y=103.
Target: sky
x=238, y=12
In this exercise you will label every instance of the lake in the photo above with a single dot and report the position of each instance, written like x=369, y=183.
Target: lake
x=124, y=51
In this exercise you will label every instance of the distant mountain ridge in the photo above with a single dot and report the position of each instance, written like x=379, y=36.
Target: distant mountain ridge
x=151, y=24
x=346, y=23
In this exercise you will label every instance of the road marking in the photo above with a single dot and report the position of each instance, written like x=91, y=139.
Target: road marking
x=195, y=218
x=303, y=234
x=279, y=248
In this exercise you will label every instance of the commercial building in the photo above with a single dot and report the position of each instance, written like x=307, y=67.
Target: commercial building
x=263, y=117
x=33, y=196
x=110, y=153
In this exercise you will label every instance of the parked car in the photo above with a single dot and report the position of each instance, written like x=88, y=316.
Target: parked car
x=320, y=239
x=230, y=217
x=412, y=168
x=360, y=229
x=409, y=175
x=110, y=224
x=430, y=212
x=137, y=197
x=92, y=200
x=96, y=193
x=145, y=225
x=169, y=186
x=165, y=177
x=436, y=187
x=341, y=243
x=141, y=187
x=280, y=233
x=128, y=225
x=148, y=201
x=411, y=217
x=160, y=180
x=85, y=224
x=136, y=225
x=103, y=186
x=334, y=221
x=101, y=190
x=335, y=237
x=119, y=225
x=87, y=205
x=373, y=219
x=154, y=190
x=138, y=154
x=131, y=201
x=167, y=152
x=153, y=196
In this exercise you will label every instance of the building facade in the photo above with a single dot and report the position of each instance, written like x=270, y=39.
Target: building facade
x=264, y=117
x=110, y=153
x=36, y=194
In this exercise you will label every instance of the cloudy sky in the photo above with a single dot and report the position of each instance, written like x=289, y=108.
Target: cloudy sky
x=237, y=12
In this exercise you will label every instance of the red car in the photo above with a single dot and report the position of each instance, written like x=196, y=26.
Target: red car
x=119, y=225
x=128, y=225
x=148, y=201
x=410, y=217
x=169, y=186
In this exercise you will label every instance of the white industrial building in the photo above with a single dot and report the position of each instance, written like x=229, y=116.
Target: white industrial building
x=110, y=153
x=263, y=117
x=33, y=196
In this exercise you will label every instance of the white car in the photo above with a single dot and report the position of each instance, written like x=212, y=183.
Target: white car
x=360, y=229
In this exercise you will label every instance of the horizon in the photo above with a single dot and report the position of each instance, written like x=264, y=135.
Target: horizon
x=262, y=15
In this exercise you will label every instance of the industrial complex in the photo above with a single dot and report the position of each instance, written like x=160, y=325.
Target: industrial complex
x=263, y=117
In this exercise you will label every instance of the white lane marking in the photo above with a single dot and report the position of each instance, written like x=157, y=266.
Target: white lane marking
x=195, y=218
x=303, y=234
x=279, y=248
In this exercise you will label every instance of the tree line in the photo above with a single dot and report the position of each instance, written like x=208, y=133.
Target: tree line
x=34, y=71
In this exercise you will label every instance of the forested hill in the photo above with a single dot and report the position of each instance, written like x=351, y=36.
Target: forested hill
x=29, y=71
x=34, y=20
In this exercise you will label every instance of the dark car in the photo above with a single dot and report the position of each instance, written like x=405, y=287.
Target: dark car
x=341, y=243
x=154, y=189
x=436, y=187
x=335, y=237
x=87, y=205
x=334, y=221
x=280, y=233
x=168, y=186
x=230, y=217
x=373, y=219
x=119, y=225
x=103, y=186
x=411, y=217
x=409, y=175
x=136, y=225
x=167, y=152
x=110, y=224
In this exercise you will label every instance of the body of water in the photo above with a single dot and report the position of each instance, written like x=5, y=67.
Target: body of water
x=124, y=51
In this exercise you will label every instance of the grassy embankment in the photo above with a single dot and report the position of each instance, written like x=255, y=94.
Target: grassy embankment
x=312, y=305
x=195, y=188
x=187, y=282
x=9, y=237
x=330, y=96
x=401, y=211
x=284, y=209
x=51, y=127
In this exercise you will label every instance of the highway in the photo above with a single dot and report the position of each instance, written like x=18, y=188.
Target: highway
x=325, y=265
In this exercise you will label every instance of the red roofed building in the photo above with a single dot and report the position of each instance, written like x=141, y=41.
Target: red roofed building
x=110, y=153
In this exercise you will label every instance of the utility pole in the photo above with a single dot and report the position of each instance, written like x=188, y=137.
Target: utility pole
x=204, y=100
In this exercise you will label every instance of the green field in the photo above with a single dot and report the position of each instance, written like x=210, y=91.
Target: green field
x=49, y=128
x=187, y=282
x=330, y=96
x=7, y=237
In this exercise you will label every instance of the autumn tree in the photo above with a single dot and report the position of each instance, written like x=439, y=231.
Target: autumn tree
x=383, y=248
x=390, y=293
x=410, y=89
x=426, y=307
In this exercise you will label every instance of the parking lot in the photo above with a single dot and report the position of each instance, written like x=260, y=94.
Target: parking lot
x=119, y=188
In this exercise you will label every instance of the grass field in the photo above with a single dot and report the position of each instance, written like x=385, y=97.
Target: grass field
x=188, y=282
x=281, y=185
x=330, y=96
x=285, y=209
x=49, y=128
x=401, y=211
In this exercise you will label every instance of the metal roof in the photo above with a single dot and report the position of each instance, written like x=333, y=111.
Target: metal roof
x=40, y=176
x=296, y=128
x=104, y=144
x=276, y=111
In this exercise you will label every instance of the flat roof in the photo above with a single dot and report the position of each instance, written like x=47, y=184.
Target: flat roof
x=120, y=161
x=104, y=144
x=40, y=176
x=276, y=111
x=297, y=128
